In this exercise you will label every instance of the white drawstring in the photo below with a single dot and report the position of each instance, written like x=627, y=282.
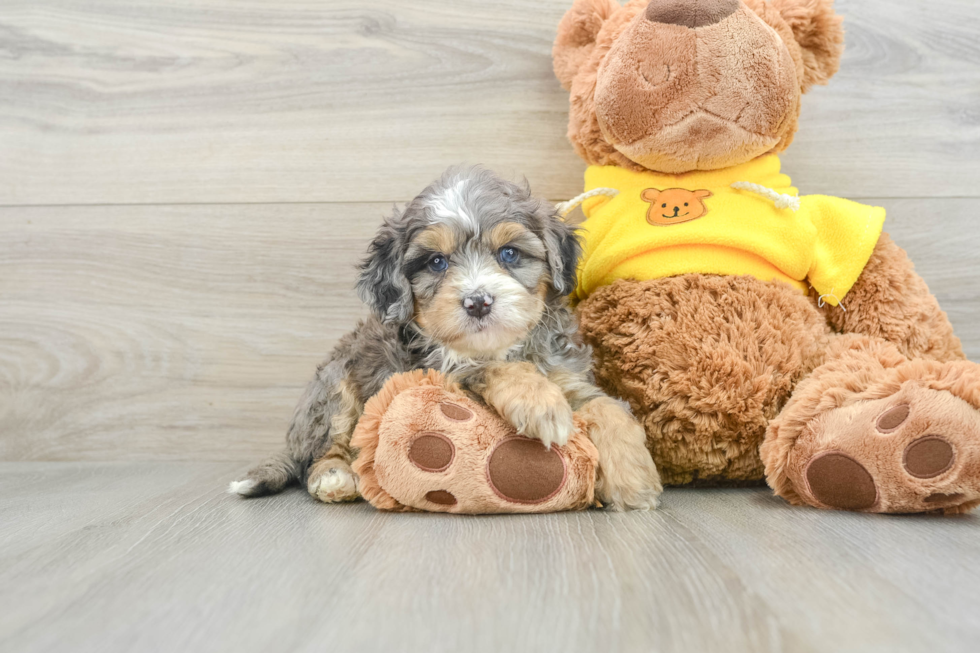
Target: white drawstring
x=821, y=300
x=782, y=201
x=564, y=208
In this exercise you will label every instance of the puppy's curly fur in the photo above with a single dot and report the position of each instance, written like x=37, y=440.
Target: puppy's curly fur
x=470, y=279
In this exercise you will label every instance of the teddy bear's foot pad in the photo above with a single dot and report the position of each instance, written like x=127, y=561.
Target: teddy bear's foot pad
x=519, y=469
x=839, y=481
x=431, y=448
x=523, y=471
x=915, y=451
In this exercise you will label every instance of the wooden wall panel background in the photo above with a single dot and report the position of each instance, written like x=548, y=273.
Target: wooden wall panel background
x=175, y=101
x=186, y=187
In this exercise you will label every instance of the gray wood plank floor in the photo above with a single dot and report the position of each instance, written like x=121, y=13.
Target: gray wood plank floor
x=153, y=556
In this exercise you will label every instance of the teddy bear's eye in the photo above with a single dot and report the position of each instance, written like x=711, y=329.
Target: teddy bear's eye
x=665, y=206
x=685, y=203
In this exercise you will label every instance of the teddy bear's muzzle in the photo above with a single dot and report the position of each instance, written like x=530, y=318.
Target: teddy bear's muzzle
x=690, y=13
x=665, y=95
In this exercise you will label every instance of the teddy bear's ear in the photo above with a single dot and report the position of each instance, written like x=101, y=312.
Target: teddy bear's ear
x=577, y=32
x=650, y=195
x=820, y=34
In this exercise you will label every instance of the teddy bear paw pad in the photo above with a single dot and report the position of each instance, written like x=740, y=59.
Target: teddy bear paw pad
x=441, y=498
x=524, y=471
x=432, y=452
x=455, y=412
x=839, y=481
x=928, y=457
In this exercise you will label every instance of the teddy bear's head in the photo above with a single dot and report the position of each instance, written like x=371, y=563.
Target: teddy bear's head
x=679, y=85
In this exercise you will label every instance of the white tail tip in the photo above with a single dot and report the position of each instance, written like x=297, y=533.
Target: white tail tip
x=241, y=488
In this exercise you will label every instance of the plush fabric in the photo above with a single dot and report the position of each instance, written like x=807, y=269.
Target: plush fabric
x=894, y=304
x=426, y=446
x=705, y=363
x=690, y=14
x=626, y=109
x=842, y=408
x=675, y=99
x=824, y=245
x=851, y=395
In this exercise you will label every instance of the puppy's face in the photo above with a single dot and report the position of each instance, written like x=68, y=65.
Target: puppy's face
x=474, y=261
x=478, y=292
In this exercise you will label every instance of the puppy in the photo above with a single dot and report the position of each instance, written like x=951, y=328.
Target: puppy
x=469, y=279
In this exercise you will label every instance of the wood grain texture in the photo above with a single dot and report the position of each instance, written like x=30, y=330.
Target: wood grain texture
x=172, y=101
x=153, y=556
x=147, y=332
x=188, y=332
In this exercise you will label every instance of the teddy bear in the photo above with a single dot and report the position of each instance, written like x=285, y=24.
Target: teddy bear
x=756, y=333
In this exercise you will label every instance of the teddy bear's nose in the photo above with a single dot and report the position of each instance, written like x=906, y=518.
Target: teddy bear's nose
x=690, y=13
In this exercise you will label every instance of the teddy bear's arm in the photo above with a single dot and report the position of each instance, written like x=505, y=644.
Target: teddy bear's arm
x=891, y=301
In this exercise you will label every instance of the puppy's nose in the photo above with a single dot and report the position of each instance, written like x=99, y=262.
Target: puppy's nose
x=690, y=13
x=478, y=305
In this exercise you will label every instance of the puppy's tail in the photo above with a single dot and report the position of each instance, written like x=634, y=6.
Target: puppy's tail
x=269, y=477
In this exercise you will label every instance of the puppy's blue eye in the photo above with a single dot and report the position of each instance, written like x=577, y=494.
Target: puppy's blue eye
x=509, y=255
x=438, y=263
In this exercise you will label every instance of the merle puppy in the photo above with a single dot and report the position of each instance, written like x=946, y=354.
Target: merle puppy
x=470, y=279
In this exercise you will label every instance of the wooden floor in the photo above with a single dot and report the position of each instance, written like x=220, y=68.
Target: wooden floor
x=153, y=556
x=185, y=188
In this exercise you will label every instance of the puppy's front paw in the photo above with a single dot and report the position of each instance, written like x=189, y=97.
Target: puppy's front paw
x=542, y=413
x=619, y=499
x=628, y=478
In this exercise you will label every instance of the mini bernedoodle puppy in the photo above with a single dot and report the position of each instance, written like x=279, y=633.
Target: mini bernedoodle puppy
x=470, y=279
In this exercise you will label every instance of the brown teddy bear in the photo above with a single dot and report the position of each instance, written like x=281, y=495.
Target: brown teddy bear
x=756, y=333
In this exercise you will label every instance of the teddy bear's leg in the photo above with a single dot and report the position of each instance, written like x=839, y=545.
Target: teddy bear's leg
x=891, y=421
x=425, y=445
x=891, y=301
x=871, y=430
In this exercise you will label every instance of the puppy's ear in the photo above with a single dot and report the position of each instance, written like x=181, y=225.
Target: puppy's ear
x=819, y=32
x=383, y=285
x=577, y=33
x=564, y=250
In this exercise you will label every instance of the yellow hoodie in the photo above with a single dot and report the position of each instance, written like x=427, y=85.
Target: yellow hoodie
x=668, y=225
